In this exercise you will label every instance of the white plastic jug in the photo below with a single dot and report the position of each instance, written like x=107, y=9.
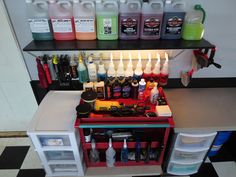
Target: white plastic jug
x=129, y=19
x=174, y=13
x=84, y=18
x=39, y=20
x=107, y=20
x=61, y=14
x=151, y=19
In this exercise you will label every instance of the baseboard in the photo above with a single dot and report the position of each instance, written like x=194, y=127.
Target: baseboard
x=11, y=134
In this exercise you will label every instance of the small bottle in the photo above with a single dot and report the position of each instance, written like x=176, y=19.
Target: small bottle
x=138, y=72
x=126, y=88
x=124, y=153
x=116, y=89
x=134, y=90
x=156, y=71
x=108, y=89
x=151, y=84
x=102, y=75
x=147, y=73
x=55, y=65
x=82, y=70
x=87, y=135
x=73, y=68
x=120, y=73
x=100, y=89
x=141, y=89
x=129, y=73
x=110, y=155
x=88, y=86
x=94, y=154
x=154, y=95
x=164, y=72
x=92, y=70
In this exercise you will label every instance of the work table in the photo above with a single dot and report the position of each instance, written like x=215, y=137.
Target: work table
x=203, y=109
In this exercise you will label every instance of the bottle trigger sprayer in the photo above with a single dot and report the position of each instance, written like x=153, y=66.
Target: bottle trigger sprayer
x=129, y=70
x=120, y=70
x=138, y=71
x=164, y=71
x=111, y=72
x=148, y=69
x=156, y=71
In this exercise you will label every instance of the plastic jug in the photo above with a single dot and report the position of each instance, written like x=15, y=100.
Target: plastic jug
x=39, y=20
x=84, y=18
x=193, y=28
x=61, y=15
x=129, y=19
x=151, y=19
x=107, y=20
x=174, y=13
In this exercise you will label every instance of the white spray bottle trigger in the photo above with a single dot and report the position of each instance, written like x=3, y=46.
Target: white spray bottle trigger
x=165, y=68
x=125, y=144
x=156, y=69
x=148, y=65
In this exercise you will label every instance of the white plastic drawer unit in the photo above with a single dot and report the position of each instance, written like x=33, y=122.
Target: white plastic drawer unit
x=177, y=168
x=63, y=168
x=189, y=156
x=194, y=141
x=59, y=155
x=54, y=140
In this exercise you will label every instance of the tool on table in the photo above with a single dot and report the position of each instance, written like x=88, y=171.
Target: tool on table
x=41, y=74
x=105, y=105
x=46, y=69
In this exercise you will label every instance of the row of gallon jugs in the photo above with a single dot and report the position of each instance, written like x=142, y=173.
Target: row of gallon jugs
x=105, y=20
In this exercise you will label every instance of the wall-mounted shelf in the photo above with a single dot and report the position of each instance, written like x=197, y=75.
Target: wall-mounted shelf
x=117, y=45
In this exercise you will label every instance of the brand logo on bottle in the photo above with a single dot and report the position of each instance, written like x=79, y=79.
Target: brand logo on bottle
x=151, y=26
x=174, y=25
x=175, y=21
x=129, y=26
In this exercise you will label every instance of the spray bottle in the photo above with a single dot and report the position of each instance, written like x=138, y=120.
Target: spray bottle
x=138, y=71
x=164, y=72
x=120, y=73
x=111, y=75
x=92, y=70
x=124, y=152
x=94, y=154
x=102, y=75
x=154, y=95
x=156, y=71
x=129, y=73
x=110, y=155
x=142, y=88
x=147, y=74
x=82, y=70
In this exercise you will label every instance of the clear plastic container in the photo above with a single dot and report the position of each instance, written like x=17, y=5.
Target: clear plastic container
x=85, y=21
x=179, y=155
x=107, y=20
x=54, y=140
x=183, y=168
x=39, y=20
x=59, y=155
x=151, y=19
x=129, y=19
x=61, y=15
x=194, y=141
x=59, y=168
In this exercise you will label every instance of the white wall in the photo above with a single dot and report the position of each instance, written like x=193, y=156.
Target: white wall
x=219, y=30
x=17, y=102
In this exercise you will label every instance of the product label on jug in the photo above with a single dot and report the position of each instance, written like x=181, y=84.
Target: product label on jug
x=39, y=25
x=107, y=25
x=151, y=26
x=62, y=25
x=174, y=25
x=84, y=25
x=129, y=26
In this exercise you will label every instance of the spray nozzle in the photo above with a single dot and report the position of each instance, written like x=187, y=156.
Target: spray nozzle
x=166, y=57
x=148, y=65
x=121, y=60
x=110, y=142
x=125, y=144
x=139, y=64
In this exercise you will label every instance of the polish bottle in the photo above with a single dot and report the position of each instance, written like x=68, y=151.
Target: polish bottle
x=110, y=155
x=124, y=152
x=73, y=68
x=102, y=75
x=138, y=72
x=116, y=89
x=92, y=70
x=141, y=89
x=156, y=71
x=134, y=90
x=126, y=88
x=120, y=73
x=82, y=70
x=100, y=89
x=111, y=77
x=164, y=72
x=147, y=73
x=154, y=95
x=88, y=86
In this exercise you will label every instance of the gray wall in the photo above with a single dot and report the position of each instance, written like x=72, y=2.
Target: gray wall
x=219, y=30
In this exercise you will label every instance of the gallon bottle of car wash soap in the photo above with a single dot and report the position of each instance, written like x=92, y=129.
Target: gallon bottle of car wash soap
x=129, y=19
x=85, y=21
x=174, y=13
x=151, y=19
x=39, y=20
x=61, y=15
x=107, y=19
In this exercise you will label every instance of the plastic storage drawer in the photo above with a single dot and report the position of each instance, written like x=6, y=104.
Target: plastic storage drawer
x=190, y=156
x=63, y=168
x=54, y=140
x=59, y=155
x=176, y=168
x=194, y=141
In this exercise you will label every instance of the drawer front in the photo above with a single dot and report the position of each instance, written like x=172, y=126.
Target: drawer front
x=63, y=168
x=188, y=156
x=59, y=155
x=194, y=141
x=54, y=140
x=183, y=169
